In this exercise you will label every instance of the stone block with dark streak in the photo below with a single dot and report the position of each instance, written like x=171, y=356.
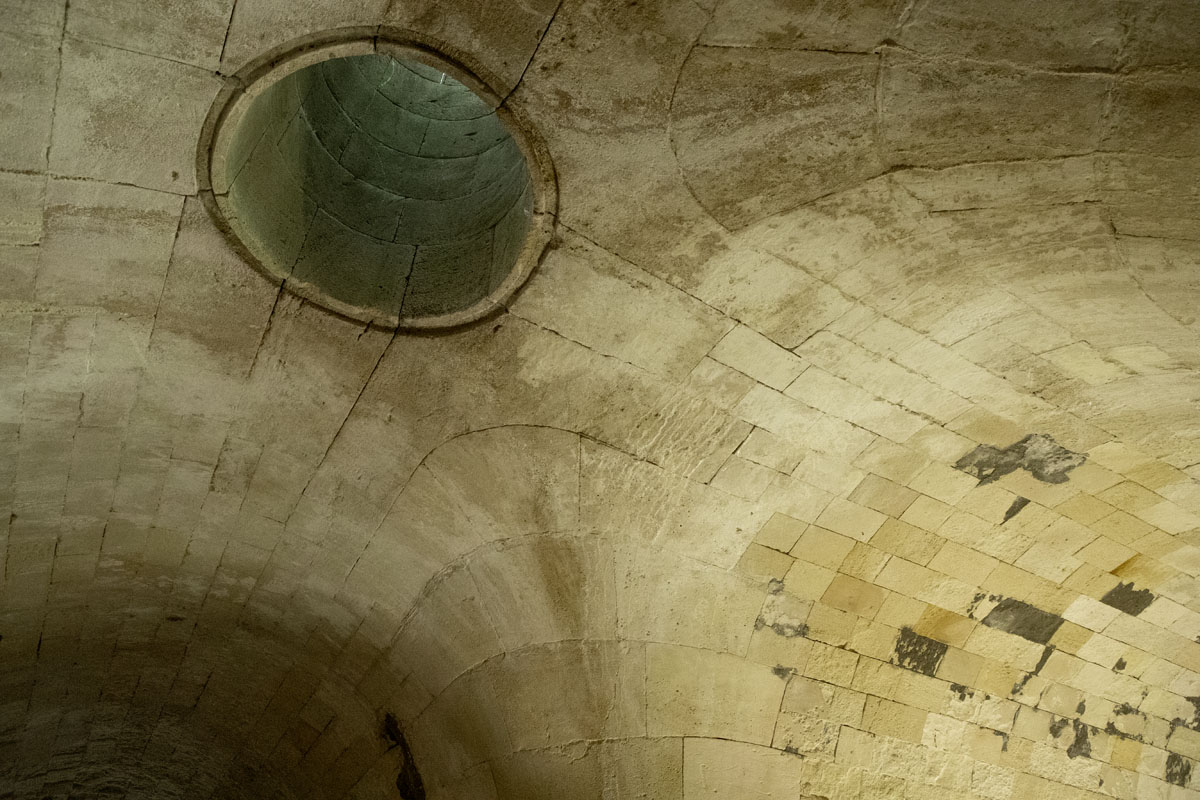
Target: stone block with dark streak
x=1179, y=769
x=1023, y=620
x=919, y=653
x=1124, y=597
x=1037, y=453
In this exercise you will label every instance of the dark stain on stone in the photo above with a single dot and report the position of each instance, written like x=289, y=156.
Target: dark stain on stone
x=1023, y=620
x=788, y=630
x=975, y=601
x=1004, y=738
x=1015, y=508
x=409, y=780
x=1179, y=769
x=1195, y=701
x=963, y=692
x=1191, y=724
x=174, y=618
x=1081, y=746
x=780, y=623
x=1046, y=652
x=1056, y=727
x=783, y=672
x=1120, y=665
x=1123, y=710
x=1125, y=598
x=919, y=653
x=1082, y=707
x=1113, y=730
x=791, y=749
x=1037, y=453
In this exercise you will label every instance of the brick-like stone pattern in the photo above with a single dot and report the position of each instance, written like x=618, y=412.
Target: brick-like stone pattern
x=685, y=520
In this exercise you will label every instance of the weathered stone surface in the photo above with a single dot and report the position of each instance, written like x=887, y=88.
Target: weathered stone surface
x=650, y=323
x=683, y=523
x=1023, y=620
x=193, y=32
x=1151, y=111
x=257, y=26
x=1125, y=598
x=938, y=113
x=504, y=43
x=919, y=653
x=1077, y=34
x=695, y=692
x=29, y=70
x=101, y=98
x=1037, y=453
x=763, y=131
x=21, y=199
x=804, y=25
x=127, y=234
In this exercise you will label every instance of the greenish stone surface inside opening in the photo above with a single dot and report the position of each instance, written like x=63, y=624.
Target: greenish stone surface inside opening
x=385, y=184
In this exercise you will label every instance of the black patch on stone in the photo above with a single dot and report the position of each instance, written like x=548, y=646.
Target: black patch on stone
x=791, y=749
x=1019, y=685
x=1195, y=701
x=1191, y=724
x=1004, y=737
x=1124, y=710
x=1179, y=769
x=963, y=692
x=1125, y=598
x=1057, y=726
x=174, y=618
x=787, y=630
x=1037, y=453
x=409, y=780
x=1113, y=730
x=1023, y=620
x=1120, y=665
x=782, y=671
x=1081, y=746
x=1082, y=707
x=919, y=653
x=1015, y=508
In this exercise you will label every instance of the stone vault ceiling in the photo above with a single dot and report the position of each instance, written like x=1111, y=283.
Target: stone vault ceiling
x=844, y=444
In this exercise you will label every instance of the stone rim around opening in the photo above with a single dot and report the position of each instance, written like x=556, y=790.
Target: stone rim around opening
x=218, y=148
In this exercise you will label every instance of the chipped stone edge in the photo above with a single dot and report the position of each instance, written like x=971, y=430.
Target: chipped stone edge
x=244, y=85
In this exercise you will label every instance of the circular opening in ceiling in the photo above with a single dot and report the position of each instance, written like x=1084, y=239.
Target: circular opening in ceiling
x=379, y=179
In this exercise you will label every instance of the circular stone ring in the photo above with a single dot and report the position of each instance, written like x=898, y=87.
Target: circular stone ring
x=371, y=173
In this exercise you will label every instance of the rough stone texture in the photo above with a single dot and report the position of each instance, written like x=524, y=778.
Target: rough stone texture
x=1023, y=620
x=29, y=64
x=123, y=117
x=685, y=521
x=193, y=33
x=1037, y=453
x=761, y=131
x=1124, y=597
